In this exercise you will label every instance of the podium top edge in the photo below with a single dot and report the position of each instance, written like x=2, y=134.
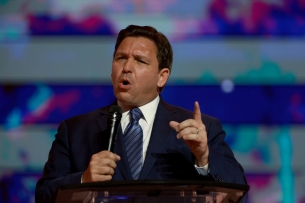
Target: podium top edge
x=180, y=183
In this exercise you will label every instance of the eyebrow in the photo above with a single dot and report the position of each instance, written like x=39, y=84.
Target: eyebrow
x=119, y=53
x=136, y=56
x=142, y=58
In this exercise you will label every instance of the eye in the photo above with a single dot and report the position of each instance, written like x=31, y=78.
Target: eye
x=120, y=57
x=141, y=61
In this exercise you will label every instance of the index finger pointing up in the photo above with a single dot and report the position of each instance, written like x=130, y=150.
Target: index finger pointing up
x=197, y=112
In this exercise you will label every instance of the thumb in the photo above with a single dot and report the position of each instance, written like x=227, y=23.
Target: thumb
x=174, y=125
x=197, y=112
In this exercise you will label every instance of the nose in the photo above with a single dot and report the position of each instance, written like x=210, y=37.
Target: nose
x=128, y=66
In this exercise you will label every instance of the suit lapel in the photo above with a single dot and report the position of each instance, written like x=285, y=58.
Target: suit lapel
x=102, y=139
x=159, y=136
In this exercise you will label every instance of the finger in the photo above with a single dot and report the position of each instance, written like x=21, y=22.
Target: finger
x=186, y=131
x=105, y=177
x=191, y=137
x=104, y=171
x=104, y=154
x=187, y=124
x=106, y=162
x=197, y=112
x=92, y=175
x=97, y=177
x=109, y=155
x=102, y=162
x=117, y=157
x=174, y=125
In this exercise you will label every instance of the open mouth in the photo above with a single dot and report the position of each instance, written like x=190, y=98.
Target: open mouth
x=125, y=82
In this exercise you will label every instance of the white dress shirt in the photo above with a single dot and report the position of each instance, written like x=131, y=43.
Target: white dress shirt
x=146, y=122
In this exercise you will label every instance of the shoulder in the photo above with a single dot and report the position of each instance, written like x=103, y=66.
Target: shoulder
x=87, y=117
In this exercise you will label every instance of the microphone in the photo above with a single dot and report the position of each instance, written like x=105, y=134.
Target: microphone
x=114, y=118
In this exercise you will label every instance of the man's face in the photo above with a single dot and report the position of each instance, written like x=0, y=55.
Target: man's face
x=135, y=74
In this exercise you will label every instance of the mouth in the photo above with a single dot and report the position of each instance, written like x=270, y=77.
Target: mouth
x=124, y=84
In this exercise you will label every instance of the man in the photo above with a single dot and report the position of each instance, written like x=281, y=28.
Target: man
x=174, y=143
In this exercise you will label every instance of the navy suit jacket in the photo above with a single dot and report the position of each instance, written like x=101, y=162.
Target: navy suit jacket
x=167, y=157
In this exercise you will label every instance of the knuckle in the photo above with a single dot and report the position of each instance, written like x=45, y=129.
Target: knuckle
x=106, y=161
x=106, y=177
x=104, y=153
x=91, y=164
x=94, y=156
x=102, y=171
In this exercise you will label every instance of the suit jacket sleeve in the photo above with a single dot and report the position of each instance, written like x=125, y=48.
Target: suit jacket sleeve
x=223, y=167
x=58, y=169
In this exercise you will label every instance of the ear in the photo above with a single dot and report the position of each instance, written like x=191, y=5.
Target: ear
x=163, y=76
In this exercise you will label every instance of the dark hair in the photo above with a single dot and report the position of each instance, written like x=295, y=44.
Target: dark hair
x=164, y=48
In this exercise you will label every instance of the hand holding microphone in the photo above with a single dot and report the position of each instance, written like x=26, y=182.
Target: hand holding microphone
x=102, y=164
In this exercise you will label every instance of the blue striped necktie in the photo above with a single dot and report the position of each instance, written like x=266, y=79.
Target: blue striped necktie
x=133, y=137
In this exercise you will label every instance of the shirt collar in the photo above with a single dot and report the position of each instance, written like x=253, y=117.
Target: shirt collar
x=148, y=110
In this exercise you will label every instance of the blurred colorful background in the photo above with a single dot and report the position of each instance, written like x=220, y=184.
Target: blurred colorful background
x=243, y=60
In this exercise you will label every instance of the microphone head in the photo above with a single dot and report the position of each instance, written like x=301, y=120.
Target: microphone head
x=115, y=111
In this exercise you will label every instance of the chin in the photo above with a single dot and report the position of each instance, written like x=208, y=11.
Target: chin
x=124, y=98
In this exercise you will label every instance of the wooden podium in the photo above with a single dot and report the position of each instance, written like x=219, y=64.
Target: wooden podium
x=149, y=191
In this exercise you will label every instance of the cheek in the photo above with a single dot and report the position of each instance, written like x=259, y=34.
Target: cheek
x=114, y=69
x=112, y=77
x=113, y=74
x=149, y=82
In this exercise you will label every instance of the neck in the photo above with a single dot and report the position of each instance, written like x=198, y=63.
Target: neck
x=126, y=106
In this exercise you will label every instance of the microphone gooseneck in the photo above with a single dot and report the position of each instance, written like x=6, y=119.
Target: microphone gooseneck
x=114, y=118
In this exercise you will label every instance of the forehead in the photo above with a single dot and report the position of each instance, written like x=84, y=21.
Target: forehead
x=137, y=44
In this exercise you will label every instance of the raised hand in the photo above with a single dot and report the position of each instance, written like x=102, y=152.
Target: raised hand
x=193, y=132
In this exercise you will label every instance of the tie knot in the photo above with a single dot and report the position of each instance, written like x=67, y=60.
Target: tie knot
x=135, y=114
